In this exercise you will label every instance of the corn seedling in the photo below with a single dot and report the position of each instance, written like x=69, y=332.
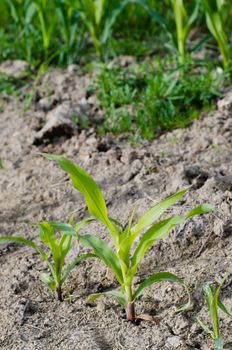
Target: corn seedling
x=214, y=304
x=99, y=21
x=183, y=24
x=216, y=25
x=121, y=261
x=58, y=248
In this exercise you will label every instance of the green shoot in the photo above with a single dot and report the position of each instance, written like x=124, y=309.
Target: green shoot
x=183, y=24
x=214, y=304
x=215, y=22
x=122, y=261
x=58, y=248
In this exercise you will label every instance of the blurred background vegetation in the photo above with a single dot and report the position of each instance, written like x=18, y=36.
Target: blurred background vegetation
x=182, y=49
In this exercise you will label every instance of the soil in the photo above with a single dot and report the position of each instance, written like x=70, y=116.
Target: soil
x=34, y=189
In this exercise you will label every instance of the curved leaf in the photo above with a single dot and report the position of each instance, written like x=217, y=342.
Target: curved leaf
x=21, y=240
x=158, y=277
x=200, y=209
x=115, y=293
x=218, y=344
x=157, y=231
x=85, y=184
x=74, y=263
x=102, y=251
x=48, y=280
x=63, y=228
x=155, y=212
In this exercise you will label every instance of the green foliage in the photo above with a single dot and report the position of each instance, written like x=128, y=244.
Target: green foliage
x=58, y=248
x=214, y=304
x=183, y=23
x=151, y=100
x=58, y=31
x=215, y=19
x=126, y=258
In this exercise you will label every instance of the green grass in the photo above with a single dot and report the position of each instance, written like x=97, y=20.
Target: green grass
x=65, y=31
x=153, y=99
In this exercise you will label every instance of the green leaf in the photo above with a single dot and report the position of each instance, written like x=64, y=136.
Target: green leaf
x=224, y=308
x=64, y=228
x=48, y=280
x=48, y=237
x=212, y=303
x=200, y=209
x=103, y=252
x=21, y=240
x=205, y=327
x=65, y=245
x=30, y=13
x=157, y=231
x=158, y=277
x=83, y=223
x=155, y=212
x=74, y=263
x=115, y=293
x=218, y=344
x=85, y=184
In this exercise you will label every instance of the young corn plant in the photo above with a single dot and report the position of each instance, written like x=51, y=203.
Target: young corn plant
x=57, y=248
x=214, y=304
x=125, y=261
x=183, y=24
x=216, y=24
x=99, y=21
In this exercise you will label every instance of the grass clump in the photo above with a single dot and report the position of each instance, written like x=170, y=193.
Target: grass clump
x=155, y=99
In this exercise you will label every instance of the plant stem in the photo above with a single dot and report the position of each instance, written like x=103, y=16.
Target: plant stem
x=130, y=311
x=130, y=306
x=59, y=293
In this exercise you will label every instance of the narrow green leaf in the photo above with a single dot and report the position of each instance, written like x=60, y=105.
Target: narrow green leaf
x=218, y=344
x=115, y=293
x=48, y=280
x=85, y=184
x=103, y=252
x=21, y=240
x=200, y=209
x=205, y=327
x=224, y=309
x=157, y=231
x=155, y=212
x=63, y=228
x=83, y=223
x=48, y=237
x=74, y=263
x=158, y=277
x=16, y=239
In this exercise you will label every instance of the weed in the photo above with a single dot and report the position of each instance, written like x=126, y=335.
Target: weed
x=214, y=304
x=123, y=263
x=58, y=248
x=151, y=100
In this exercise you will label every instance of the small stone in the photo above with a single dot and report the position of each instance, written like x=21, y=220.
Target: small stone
x=134, y=169
x=175, y=342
